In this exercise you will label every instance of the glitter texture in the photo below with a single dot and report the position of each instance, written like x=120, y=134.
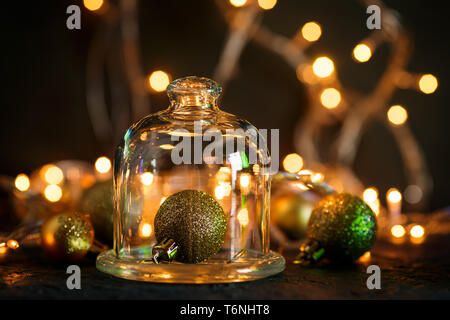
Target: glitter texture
x=344, y=226
x=197, y=223
x=67, y=236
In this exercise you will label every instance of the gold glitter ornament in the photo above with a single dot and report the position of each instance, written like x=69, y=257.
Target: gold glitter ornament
x=341, y=228
x=290, y=212
x=97, y=201
x=67, y=236
x=195, y=221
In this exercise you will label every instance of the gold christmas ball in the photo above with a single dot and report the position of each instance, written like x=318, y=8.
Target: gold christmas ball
x=195, y=221
x=67, y=236
x=97, y=201
x=290, y=212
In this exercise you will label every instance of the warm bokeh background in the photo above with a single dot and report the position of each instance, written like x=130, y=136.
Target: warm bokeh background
x=43, y=114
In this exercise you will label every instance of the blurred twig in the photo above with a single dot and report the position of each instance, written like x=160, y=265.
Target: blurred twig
x=241, y=26
x=133, y=67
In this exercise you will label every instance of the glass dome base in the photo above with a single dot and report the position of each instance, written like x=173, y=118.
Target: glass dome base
x=255, y=265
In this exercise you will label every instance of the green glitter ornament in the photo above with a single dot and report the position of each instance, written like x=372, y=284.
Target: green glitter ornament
x=341, y=228
x=195, y=221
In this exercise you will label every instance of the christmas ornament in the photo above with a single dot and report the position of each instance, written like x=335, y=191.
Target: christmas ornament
x=290, y=212
x=341, y=228
x=97, y=201
x=67, y=236
x=195, y=221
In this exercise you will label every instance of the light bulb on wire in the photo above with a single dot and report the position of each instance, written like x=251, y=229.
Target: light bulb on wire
x=311, y=31
x=362, y=52
x=323, y=67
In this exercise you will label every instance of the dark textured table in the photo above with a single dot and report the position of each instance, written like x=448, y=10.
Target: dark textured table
x=407, y=272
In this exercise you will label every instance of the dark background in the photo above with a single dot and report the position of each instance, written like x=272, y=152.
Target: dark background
x=43, y=114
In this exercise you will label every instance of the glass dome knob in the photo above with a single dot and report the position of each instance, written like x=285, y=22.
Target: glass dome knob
x=193, y=91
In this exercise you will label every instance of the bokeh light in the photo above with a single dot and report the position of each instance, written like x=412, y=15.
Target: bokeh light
x=103, y=165
x=330, y=98
x=417, y=231
x=394, y=196
x=12, y=244
x=311, y=31
x=147, y=178
x=145, y=230
x=397, y=115
x=362, y=53
x=53, y=193
x=159, y=80
x=293, y=163
x=243, y=217
x=93, y=5
x=398, y=231
x=323, y=67
x=413, y=194
x=244, y=180
x=238, y=3
x=267, y=4
x=53, y=175
x=220, y=192
x=370, y=195
x=428, y=83
x=22, y=182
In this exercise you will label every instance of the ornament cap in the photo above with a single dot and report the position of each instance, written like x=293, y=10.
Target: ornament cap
x=165, y=250
x=310, y=252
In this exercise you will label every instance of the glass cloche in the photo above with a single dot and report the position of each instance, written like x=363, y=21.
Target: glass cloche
x=192, y=189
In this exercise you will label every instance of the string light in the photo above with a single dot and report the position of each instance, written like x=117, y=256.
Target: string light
x=238, y=3
x=220, y=192
x=362, y=53
x=159, y=80
x=293, y=163
x=167, y=146
x=323, y=67
x=53, y=175
x=146, y=230
x=394, y=196
x=370, y=195
x=147, y=178
x=311, y=31
x=103, y=165
x=53, y=193
x=12, y=244
x=243, y=217
x=93, y=5
x=398, y=231
x=267, y=4
x=244, y=180
x=22, y=182
x=330, y=98
x=225, y=170
x=417, y=231
x=397, y=115
x=428, y=83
